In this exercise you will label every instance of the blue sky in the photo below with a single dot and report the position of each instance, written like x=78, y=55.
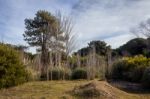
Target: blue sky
x=108, y=20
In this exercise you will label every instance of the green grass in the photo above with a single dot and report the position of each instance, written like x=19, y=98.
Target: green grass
x=40, y=90
x=57, y=90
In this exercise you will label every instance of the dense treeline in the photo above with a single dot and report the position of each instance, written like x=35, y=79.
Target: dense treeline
x=101, y=48
x=134, y=47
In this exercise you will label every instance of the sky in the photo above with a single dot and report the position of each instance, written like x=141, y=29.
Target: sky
x=105, y=20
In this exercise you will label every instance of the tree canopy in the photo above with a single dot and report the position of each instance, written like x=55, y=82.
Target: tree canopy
x=40, y=32
x=101, y=48
x=134, y=47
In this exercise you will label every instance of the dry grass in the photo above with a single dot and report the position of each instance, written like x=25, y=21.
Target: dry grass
x=59, y=90
x=40, y=90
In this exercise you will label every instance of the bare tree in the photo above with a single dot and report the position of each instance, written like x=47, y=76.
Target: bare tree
x=143, y=29
x=63, y=39
x=109, y=62
x=91, y=63
x=78, y=60
x=66, y=26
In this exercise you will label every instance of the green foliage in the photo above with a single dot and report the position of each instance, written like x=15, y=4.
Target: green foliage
x=128, y=68
x=118, y=68
x=12, y=72
x=134, y=47
x=101, y=48
x=146, y=78
x=42, y=30
x=59, y=73
x=35, y=28
x=38, y=33
x=79, y=73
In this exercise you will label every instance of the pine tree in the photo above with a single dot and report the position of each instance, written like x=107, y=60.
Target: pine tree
x=39, y=32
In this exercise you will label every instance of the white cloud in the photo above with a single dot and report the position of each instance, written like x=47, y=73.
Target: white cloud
x=13, y=15
x=108, y=20
x=118, y=40
x=111, y=21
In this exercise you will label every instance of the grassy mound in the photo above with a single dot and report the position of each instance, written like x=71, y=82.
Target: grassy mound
x=93, y=89
x=61, y=90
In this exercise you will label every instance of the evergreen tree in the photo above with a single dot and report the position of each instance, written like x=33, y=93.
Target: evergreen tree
x=40, y=32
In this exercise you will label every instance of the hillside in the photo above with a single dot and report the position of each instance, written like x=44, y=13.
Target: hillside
x=61, y=90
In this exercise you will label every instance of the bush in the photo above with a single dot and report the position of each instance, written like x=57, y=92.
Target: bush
x=59, y=73
x=128, y=68
x=79, y=73
x=136, y=74
x=146, y=78
x=118, y=69
x=12, y=72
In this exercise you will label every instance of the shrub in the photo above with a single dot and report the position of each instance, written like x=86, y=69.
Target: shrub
x=12, y=72
x=146, y=78
x=59, y=73
x=79, y=73
x=128, y=68
x=136, y=74
x=118, y=69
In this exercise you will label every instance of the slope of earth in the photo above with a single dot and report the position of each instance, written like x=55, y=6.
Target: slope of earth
x=61, y=90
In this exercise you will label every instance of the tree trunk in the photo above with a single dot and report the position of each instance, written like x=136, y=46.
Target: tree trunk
x=44, y=60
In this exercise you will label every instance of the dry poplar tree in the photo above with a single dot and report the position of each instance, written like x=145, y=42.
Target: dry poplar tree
x=91, y=63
